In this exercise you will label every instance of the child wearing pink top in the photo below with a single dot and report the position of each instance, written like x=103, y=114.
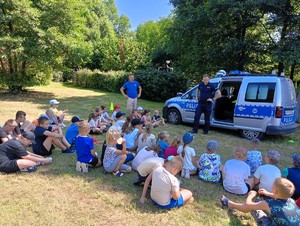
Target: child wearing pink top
x=172, y=149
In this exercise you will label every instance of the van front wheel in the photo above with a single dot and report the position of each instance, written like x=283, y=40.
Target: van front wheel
x=173, y=116
x=250, y=134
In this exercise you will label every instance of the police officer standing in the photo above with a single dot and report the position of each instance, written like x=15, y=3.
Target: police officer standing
x=206, y=93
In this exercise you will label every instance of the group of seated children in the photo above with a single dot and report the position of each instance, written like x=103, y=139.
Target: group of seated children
x=44, y=134
x=132, y=139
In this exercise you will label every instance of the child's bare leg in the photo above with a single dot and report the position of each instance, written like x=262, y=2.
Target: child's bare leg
x=58, y=143
x=65, y=142
x=24, y=163
x=186, y=194
x=122, y=160
x=48, y=143
x=99, y=163
x=27, y=125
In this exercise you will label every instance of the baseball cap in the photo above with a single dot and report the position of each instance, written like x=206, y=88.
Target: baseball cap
x=53, y=102
x=187, y=138
x=136, y=121
x=296, y=159
x=212, y=145
x=140, y=108
x=29, y=135
x=120, y=114
x=274, y=156
x=76, y=119
x=117, y=107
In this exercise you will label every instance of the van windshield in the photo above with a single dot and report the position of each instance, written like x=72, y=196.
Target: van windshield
x=288, y=92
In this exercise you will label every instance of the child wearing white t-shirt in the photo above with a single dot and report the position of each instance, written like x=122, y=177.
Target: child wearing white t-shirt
x=188, y=156
x=145, y=153
x=236, y=173
x=266, y=174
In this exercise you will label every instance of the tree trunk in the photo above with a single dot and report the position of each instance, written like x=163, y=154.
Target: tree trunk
x=292, y=72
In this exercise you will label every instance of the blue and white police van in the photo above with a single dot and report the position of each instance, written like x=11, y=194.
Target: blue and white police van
x=253, y=104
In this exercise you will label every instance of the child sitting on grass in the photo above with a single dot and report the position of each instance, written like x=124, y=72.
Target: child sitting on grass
x=45, y=139
x=172, y=149
x=165, y=189
x=254, y=158
x=95, y=125
x=117, y=108
x=293, y=174
x=114, y=160
x=145, y=153
x=72, y=130
x=53, y=107
x=85, y=149
x=188, y=156
x=267, y=173
x=146, y=167
x=146, y=138
x=162, y=141
x=157, y=120
x=236, y=173
x=210, y=163
x=282, y=210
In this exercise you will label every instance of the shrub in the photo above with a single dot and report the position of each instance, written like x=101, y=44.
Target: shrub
x=157, y=85
x=160, y=85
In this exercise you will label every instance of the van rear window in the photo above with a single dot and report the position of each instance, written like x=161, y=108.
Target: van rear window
x=260, y=92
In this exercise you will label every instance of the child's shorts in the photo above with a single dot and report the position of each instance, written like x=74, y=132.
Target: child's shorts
x=94, y=161
x=173, y=203
x=129, y=157
x=43, y=151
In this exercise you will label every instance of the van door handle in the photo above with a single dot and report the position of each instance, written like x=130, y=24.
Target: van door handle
x=241, y=108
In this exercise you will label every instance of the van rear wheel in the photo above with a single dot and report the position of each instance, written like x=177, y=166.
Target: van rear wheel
x=173, y=116
x=250, y=134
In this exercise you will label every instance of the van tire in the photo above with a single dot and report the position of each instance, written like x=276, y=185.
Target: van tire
x=250, y=134
x=174, y=116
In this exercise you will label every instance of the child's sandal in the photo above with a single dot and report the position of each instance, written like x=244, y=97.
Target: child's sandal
x=118, y=173
x=224, y=201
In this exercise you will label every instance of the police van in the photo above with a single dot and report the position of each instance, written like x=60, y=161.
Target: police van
x=253, y=104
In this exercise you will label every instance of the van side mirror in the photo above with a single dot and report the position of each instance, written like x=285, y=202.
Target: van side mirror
x=179, y=94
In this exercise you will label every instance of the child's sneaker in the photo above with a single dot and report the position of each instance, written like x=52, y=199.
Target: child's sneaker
x=118, y=173
x=187, y=174
x=29, y=169
x=69, y=150
x=84, y=167
x=78, y=167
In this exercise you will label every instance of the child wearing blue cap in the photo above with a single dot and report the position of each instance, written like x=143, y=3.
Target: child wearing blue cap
x=188, y=156
x=293, y=174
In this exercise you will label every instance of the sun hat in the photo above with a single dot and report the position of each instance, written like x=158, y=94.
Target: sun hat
x=117, y=107
x=274, y=156
x=136, y=121
x=76, y=119
x=139, y=109
x=53, y=102
x=29, y=135
x=296, y=159
x=187, y=138
x=120, y=114
x=212, y=145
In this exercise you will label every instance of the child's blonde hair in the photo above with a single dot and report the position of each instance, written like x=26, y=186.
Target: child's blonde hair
x=162, y=135
x=156, y=112
x=176, y=141
x=284, y=188
x=176, y=163
x=83, y=127
x=240, y=152
x=112, y=135
x=147, y=132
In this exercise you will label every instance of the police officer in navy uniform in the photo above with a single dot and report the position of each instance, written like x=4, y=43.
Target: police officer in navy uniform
x=205, y=94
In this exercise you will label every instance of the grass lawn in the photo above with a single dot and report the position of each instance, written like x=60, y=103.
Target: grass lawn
x=57, y=195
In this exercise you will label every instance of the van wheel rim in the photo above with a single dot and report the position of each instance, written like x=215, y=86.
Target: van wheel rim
x=251, y=134
x=173, y=117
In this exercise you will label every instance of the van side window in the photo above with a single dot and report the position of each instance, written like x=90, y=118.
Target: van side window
x=260, y=92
